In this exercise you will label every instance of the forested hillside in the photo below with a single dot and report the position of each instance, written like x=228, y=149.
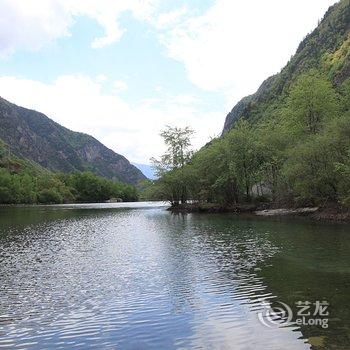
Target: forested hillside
x=26, y=182
x=288, y=144
x=33, y=136
x=325, y=49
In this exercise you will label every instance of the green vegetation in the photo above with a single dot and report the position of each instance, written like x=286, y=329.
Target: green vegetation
x=87, y=187
x=171, y=168
x=325, y=49
x=36, y=138
x=297, y=153
x=22, y=182
x=287, y=144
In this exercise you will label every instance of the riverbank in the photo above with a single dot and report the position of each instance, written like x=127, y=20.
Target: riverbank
x=330, y=213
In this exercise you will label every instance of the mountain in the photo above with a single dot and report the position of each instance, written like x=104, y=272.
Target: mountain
x=147, y=170
x=34, y=136
x=326, y=49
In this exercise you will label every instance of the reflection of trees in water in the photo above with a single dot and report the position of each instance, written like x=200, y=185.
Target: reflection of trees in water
x=256, y=260
x=235, y=249
x=199, y=253
x=189, y=276
x=210, y=275
x=313, y=265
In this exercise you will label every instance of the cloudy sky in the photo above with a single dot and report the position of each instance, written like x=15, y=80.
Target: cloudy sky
x=121, y=70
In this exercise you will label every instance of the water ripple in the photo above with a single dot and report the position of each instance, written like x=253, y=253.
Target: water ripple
x=134, y=279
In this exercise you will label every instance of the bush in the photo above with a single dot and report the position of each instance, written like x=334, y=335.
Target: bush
x=50, y=196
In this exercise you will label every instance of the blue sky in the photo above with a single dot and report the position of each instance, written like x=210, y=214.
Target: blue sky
x=122, y=70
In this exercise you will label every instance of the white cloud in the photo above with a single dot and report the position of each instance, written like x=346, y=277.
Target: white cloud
x=158, y=88
x=235, y=45
x=31, y=24
x=77, y=102
x=119, y=86
x=166, y=19
x=230, y=48
x=101, y=78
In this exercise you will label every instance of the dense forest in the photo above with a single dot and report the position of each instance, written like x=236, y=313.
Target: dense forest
x=297, y=153
x=25, y=182
x=287, y=144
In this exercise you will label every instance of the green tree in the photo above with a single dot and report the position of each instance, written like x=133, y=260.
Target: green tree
x=174, y=180
x=50, y=196
x=312, y=101
x=217, y=180
x=244, y=156
x=178, y=153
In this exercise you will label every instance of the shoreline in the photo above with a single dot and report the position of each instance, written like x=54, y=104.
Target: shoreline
x=330, y=213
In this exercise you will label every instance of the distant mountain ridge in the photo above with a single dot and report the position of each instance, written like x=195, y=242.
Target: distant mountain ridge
x=326, y=48
x=147, y=170
x=34, y=136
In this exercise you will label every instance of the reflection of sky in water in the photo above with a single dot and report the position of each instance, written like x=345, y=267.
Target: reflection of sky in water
x=137, y=279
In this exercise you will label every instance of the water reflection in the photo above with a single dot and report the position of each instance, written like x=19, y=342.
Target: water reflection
x=79, y=277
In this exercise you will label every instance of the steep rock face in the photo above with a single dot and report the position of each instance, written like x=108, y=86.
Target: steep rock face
x=326, y=48
x=34, y=136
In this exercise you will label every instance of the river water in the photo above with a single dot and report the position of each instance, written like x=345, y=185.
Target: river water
x=135, y=276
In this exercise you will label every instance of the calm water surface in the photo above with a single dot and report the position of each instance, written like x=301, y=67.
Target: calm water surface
x=134, y=276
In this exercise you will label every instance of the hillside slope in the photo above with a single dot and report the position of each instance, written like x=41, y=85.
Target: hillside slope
x=326, y=48
x=34, y=136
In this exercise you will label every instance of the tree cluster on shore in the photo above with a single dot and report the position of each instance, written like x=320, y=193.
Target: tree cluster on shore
x=296, y=153
x=24, y=187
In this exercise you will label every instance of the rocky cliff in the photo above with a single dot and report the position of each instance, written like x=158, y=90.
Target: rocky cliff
x=34, y=136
